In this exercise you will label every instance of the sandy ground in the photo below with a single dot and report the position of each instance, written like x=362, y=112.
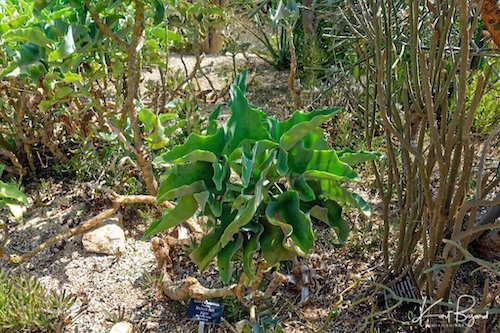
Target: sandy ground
x=268, y=89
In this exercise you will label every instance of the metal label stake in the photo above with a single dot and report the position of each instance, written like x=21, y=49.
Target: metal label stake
x=201, y=326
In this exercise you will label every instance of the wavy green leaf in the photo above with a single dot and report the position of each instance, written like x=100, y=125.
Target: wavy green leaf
x=197, y=155
x=240, y=200
x=322, y=164
x=211, y=144
x=254, y=160
x=212, y=121
x=246, y=164
x=221, y=171
x=331, y=189
x=185, y=209
x=282, y=167
x=210, y=245
x=239, y=82
x=185, y=179
x=202, y=199
x=305, y=191
x=353, y=157
x=271, y=243
x=34, y=35
x=251, y=245
x=215, y=203
x=246, y=213
x=10, y=191
x=316, y=140
x=295, y=225
x=330, y=213
x=245, y=122
x=244, y=216
x=301, y=124
x=362, y=204
x=315, y=174
x=224, y=265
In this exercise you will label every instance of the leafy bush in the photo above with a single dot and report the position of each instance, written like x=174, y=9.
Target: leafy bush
x=71, y=71
x=259, y=181
x=12, y=197
x=26, y=307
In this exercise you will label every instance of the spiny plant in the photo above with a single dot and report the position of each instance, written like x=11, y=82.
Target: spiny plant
x=25, y=306
x=261, y=182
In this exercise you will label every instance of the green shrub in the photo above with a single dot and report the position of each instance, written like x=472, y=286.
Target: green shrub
x=25, y=306
x=259, y=181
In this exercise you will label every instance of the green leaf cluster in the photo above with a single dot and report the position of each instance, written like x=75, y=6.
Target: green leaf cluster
x=60, y=38
x=25, y=306
x=261, y=182
x=12, y=197
x=158, y=128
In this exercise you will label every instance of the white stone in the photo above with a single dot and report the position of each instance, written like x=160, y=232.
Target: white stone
x=122, y=327
x=182, y=232
x=107, y=239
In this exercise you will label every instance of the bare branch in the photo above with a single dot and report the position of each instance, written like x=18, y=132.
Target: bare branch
x=191, y=287
x=122, y=138
x=92, y=223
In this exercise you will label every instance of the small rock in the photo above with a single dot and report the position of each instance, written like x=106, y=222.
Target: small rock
x=107, y=239
x=122, y=327
x=182, y=232
x=152, y=326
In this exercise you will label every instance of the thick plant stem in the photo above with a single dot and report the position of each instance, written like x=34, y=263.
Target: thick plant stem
x=191, y=287
x=134, y=74
x=294, y=92
x=133, y=80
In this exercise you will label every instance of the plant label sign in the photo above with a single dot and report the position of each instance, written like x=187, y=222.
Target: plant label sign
x=205, y=311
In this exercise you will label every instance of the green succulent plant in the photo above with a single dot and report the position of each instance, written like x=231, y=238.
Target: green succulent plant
x=25, y=306
x=261, y=183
